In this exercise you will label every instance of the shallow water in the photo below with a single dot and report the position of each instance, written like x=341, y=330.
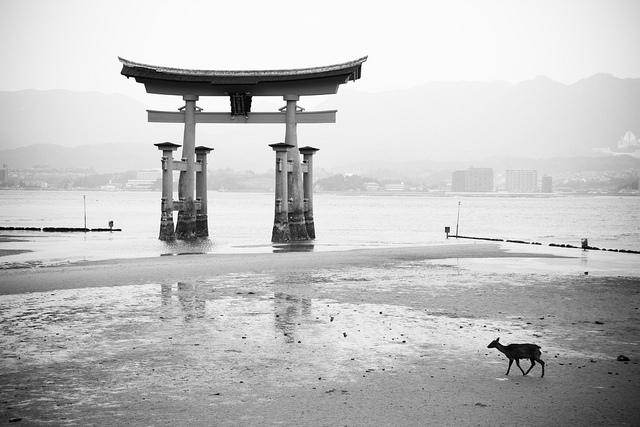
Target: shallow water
x=242, y=222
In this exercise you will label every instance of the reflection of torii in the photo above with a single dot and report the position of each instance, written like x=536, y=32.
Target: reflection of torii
x=192, y=304
x=289, y=310
x=293, y=215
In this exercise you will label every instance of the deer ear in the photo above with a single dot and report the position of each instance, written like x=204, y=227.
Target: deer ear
x=497, y=339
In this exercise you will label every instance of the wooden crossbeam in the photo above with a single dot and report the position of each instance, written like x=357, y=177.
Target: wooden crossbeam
x=178, y=205
x=179, y=165
x=328, y=116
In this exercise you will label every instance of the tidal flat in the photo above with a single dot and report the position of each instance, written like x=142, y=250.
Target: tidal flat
x=370, y=337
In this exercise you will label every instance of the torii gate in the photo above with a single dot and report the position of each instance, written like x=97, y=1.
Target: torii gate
x=293, y=219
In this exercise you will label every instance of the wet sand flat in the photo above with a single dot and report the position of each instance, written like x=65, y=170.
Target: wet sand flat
x=7, y=252
x=380, y=337
x=176, y=268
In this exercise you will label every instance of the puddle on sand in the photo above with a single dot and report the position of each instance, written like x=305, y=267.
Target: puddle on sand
x=273, y=331
x=569, y=262
x=215, y=333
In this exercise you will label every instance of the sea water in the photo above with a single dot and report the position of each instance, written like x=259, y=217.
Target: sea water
x=242, y=222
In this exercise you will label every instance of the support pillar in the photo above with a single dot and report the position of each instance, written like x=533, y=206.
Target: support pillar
x=307, y=181
x=297, y=225
x=186, y=225
x=202, y=224
x=281, y=232
x=166, y=205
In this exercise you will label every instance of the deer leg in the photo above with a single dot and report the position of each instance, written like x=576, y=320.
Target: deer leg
x=518, y=364
x=509, y=368
x=533, y=362
x=541, y=363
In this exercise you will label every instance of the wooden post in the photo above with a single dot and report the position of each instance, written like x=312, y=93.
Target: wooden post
x=308, y=153
x=458, y=220
x=297, y=225
x=202, y=224
x=186, y=226
x=281, y=232
x=167, y=232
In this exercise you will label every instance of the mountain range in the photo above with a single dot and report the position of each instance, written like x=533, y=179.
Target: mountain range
x=449, y=122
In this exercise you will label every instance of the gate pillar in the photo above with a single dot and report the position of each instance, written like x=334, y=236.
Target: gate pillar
x=297, y=225
x=307, y=180
x=167, y=232
x=281, y=232
x=202, y=222
x=186, y=225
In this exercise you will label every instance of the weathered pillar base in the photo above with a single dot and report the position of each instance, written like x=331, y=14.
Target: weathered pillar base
x=311, y=229
x=167, y=232
x=202, y=225
x=280, y=233
x=186, y=224
x=298, y=228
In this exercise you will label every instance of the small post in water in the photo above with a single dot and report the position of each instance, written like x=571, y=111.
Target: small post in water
x=84, y=206
x=585, y=244
x=458, y=220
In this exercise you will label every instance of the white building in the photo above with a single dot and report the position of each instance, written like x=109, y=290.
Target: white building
x=371, y=186
x=146, y=179
x=472, y=180
x=546, y=184
x=521, y=181
x=395, y=187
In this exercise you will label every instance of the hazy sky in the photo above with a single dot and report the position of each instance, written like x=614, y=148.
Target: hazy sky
x=65, y=44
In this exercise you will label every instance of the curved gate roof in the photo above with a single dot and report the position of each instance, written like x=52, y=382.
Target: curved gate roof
x=302, y=81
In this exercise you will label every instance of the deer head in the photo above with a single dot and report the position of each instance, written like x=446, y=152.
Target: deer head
x=494, y=343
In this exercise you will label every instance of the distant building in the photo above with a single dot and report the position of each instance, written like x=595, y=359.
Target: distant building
x=479, y=179
x=458, y=179
x=472, y=180
x=546, y=185
x=521, y=181
x=395, y=187
x=149, y=174
x=371, y=186
x=4, y=174
x=145, y=180
x=108, y=187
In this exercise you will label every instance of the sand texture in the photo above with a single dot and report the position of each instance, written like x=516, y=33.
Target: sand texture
x=369, y=337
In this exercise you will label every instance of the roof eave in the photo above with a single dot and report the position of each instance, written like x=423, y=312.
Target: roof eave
x=351, y=69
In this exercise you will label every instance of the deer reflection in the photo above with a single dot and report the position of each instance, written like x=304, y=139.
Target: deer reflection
x=191, y=302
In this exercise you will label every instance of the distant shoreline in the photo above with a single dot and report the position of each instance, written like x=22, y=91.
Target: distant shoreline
x=436, y=193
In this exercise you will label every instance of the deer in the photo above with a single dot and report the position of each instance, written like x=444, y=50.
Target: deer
x=517, y=352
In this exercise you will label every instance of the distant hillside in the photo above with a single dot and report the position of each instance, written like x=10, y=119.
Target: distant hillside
x=464, y=121
x=109, y=158
x=102, y=158
x=79, y=119
x=470, y=121
x=70, y=118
